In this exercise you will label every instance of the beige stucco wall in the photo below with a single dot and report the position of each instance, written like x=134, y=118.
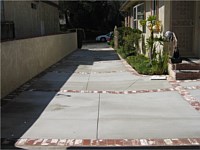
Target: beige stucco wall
x=23, y=59
x=167, y=16
x=30, y=22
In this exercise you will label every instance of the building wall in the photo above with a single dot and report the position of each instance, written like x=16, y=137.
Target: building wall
x=31, y=22
x=161, y=15
x=23, y=59
x=165, y=16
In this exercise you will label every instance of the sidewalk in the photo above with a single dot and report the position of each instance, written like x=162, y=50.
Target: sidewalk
x=93, y=94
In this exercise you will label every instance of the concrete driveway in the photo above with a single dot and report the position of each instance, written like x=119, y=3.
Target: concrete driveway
x=94, y=95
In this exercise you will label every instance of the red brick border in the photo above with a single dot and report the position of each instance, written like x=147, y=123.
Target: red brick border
x=108, y=142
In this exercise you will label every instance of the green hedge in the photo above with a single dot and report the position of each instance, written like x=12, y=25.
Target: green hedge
x=142, y=65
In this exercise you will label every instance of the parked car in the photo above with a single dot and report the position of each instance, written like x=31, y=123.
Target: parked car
x=104, y=38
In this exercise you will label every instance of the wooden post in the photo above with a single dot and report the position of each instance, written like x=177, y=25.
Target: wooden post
x=116, y=36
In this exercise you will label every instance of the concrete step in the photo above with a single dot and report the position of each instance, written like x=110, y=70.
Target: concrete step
x=188, y=69
x=186, y=66
x=185, y=74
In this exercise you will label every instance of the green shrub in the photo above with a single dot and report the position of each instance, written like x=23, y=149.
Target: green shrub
x=121, y=52
x=142, y=64
x=123, y=32
x=128, y=41
x=129, y=47
x=112, y=43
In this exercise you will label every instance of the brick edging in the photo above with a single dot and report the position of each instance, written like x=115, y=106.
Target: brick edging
x=109, y=142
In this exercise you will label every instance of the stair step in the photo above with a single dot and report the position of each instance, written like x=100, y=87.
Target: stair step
x=186, y=66
x=187, y=71
x=185, y=74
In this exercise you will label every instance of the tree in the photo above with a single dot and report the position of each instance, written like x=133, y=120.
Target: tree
x=97, y=15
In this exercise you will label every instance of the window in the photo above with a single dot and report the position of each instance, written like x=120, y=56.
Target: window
x=138, y=14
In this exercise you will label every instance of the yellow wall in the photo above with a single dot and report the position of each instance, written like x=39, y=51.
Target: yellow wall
x=23, y=59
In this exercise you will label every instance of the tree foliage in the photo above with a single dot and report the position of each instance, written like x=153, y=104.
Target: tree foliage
x=96, y=15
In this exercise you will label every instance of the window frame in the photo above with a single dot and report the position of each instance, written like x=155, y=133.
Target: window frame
x=135, y=14
x=155, y=8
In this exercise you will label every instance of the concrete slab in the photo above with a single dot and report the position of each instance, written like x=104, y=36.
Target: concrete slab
x=50, y=115
x=63, y=129
x=117, y=76
x=72, y=68
x=84, y=68
x=28, y=105
x=72, y=106
x=54, y=76
x=64, y=115
x=195, y=94
x=108, y=67
x=74, y=86
x=65, y=68
x=190, y=84
x=19, y=115
x=109, y=86
x=67, y=62
x=148, y=128
x=80, y=58
x=12, y=127
x=144, y=83
x=38, y=97
x=147, y=115
x=76, y=77
x=44, y=85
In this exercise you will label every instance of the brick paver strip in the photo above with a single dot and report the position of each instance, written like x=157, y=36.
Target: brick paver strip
x=109, y=142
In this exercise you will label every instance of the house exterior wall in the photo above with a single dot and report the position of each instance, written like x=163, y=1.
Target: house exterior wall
x=161, y=15
x=23, y=59
x=165, y=16
x=31, y=22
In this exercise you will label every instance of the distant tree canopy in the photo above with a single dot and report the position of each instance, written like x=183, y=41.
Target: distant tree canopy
x=93, y=15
